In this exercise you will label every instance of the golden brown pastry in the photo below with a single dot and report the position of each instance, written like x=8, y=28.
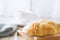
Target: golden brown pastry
x=34, y=30
x=58, y=28
x=48, y=30
x=51, y=23
x=43, y=28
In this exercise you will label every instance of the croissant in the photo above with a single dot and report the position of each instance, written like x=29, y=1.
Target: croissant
x=42, y=28
x=48, y=30
x=58, y=28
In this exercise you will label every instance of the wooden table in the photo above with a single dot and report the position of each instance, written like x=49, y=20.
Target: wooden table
x=20, y=37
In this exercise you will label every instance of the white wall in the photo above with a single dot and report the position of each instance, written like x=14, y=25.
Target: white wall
x=9, y=7
x=46, y=7
x=22, y=4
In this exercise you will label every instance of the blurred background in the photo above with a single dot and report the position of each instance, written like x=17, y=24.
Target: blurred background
x=8, y=9
x=13, y=10
x=20, y=12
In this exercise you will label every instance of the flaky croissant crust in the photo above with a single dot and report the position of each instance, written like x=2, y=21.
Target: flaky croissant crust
x=43, y=28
